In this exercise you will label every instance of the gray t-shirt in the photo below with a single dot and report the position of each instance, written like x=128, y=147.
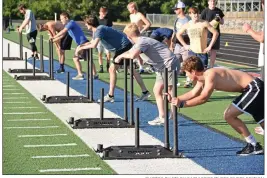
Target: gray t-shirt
x=159, y=55
x=31, y=26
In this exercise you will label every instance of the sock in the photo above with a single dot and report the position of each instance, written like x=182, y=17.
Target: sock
x=101, y=66
x=111, y=96
x=141, y=67
x=61, y=66
x=251, y=139
x=145, y=92
x=188, y=80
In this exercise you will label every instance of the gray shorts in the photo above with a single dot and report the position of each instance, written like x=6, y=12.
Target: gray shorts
x=180, y=52
x=160, y=75
x=101, y=49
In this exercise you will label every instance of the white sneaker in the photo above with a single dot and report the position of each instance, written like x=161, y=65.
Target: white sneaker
x=156, y=121
x=143, y=97
x=107, y=99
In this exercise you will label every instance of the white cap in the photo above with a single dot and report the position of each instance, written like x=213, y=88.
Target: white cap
x=179, y=5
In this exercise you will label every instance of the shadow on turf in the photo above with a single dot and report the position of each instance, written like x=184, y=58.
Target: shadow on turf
x=218, y=98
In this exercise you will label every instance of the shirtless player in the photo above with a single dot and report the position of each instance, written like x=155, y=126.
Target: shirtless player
x=143, y=25
x=250, y=101
x=64, y=44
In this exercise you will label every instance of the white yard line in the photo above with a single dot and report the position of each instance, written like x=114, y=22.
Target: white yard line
x=10, y=89
x=22, y=107
x=50, y=145
x=22, y=113
x=17, y=102
x=11, y=98
x=51, y=135
x=61, y=156
x=72, y=169
x=9, y=86
x=15, y=120
x=37, y=127
x=13, y=93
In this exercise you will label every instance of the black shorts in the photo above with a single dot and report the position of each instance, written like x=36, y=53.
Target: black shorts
x=65, y=43
x=251, y=100
x=119, y=52
x=31, y=37
x=82, y=53
x=216, y=45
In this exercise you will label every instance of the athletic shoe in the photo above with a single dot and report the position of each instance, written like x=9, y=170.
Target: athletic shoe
x=36, y=56
x=141, y=71
x=188, y=85
x=156, y=121
x=107, y=98
x=143, y=97
x=78, y=77
x=96, y=77
x=249, y=149
x=60, y=70
x=101, y=70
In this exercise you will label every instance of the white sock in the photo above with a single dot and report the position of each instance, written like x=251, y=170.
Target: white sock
x=141, y=67
x=251, y=139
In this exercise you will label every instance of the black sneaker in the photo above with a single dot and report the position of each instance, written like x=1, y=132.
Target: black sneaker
x=101, y=70
x=249, y=149
x=60, y=70
x=36, y=56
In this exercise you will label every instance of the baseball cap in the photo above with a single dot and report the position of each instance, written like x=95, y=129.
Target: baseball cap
x=179, y=5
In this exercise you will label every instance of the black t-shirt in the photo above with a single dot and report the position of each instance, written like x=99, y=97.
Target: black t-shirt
x=209, y=15
x=106, y=21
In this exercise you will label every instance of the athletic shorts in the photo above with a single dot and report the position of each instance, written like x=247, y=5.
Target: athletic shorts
x=180, y=52
x=160, y=75
x=65, y=43
x=251, y=101
x=101, y=48
x=216, y=45
x=203, y=57
x=119, y=52
x=82, y=54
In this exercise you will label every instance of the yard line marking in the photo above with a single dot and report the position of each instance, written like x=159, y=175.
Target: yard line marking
x=51, y=135
x=20, y=97
x=22, y=113
x=18, y=102
x=72, y=169
x=232, y=95
x=37, y=127
x=51, y=145
x=30, y=107
x=60, y=156
x=13, y=120
x=10, y=89
x=9, y=86
x=13, y=93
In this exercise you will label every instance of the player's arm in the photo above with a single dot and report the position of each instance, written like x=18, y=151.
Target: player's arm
x=179, y=34
x=204, y=95
x=192, y=93
x=146, y=22
x=92, y=44
x=215, y=35
x=60, y=35
x=131, y=54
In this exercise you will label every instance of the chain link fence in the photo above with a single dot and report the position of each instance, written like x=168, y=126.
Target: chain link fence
x=230, y=23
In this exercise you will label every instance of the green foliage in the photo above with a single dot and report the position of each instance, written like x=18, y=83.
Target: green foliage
x=45, y=9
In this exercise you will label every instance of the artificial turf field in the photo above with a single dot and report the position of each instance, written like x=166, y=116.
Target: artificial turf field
x=209, y=114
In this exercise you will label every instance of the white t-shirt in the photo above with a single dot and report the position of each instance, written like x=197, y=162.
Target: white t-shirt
x=31, y=26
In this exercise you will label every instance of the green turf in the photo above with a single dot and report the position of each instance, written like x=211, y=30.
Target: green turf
x=17, y=159
x=210, y=114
